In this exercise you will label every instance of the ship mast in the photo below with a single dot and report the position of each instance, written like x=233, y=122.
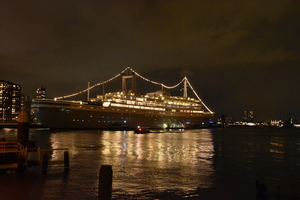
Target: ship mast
x=185, y=88
x=88, y=92
x=103, y=91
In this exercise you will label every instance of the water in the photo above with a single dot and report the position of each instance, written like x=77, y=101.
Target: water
x=190, y=164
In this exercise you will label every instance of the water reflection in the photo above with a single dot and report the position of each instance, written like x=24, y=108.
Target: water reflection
x=244, y=155
x=143, y=162
x=8, y=134
x=198, y=164
x=277, y=147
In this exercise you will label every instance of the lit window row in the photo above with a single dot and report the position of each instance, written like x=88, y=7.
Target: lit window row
x=137, y=107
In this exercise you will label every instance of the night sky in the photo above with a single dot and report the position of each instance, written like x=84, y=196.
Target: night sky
x=242, y=55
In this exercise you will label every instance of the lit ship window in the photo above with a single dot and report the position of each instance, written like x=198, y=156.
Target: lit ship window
x=106, y=104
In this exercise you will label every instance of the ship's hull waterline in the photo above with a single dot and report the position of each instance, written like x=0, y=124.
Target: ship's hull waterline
x=99, y=117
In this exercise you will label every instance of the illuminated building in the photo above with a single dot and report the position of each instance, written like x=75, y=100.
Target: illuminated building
x=41, y=93
x=10, y=100
x=248, y=116
x=25, y=103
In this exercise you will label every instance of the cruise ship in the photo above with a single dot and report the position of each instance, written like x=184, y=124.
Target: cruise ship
x=125, y=109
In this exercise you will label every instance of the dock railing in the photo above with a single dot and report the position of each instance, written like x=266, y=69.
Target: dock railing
x=41, y=157
x=13, y=154
x=11, y=147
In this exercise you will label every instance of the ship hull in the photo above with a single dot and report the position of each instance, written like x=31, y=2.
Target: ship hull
x=74, y=116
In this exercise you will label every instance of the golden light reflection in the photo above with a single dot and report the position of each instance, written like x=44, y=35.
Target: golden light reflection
x=160, y=147
x=277, y=147
x=60, y=141
x=173, y=159
x=141, y=153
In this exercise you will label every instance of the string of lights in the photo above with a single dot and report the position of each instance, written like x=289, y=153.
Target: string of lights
x=104, y=82
x=157, y=83
x=172, y=87
x=197, y=95
x=142, y=77
x=91, y=87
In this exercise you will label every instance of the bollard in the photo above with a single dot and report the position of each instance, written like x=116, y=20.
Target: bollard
x=23, y=127
x=45, y=161
x=21, y=163
x=105, y=182
x=66, y=160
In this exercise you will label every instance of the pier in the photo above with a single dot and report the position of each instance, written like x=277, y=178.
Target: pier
x=22, y=153
x=15, y=125
x=10, y=154
x=14, y=156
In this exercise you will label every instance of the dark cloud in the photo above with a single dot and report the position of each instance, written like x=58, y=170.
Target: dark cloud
x=238, y=55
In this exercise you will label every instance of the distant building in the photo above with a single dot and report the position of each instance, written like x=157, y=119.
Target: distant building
x=25, y=102
x=248, y=116
x=41, y=93
x=10, y=101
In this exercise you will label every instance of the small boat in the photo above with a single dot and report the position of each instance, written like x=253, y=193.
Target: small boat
x=142, y=130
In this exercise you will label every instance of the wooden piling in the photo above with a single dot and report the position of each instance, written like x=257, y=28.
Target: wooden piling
x=21, y=163
x=105, y=182
x=23, y=127
x=66, y=160
x=45, y=161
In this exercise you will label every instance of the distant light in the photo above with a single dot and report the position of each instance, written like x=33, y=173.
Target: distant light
x=251, y=124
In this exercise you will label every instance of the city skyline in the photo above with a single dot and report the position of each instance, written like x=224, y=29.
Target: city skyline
x=242, y=56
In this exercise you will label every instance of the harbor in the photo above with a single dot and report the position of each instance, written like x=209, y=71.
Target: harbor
x=164, y=100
